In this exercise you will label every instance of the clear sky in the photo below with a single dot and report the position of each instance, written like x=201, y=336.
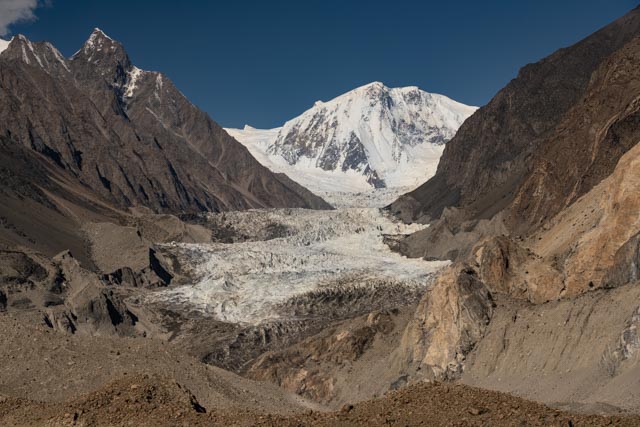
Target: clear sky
x=264, y=62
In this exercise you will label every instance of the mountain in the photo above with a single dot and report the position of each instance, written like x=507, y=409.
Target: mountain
x=91, y=136
x=492, y=153
x=372, y=136
x=545, y=140
x=523, y=277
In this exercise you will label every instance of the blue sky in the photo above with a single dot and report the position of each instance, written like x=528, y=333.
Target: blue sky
x=264, y=62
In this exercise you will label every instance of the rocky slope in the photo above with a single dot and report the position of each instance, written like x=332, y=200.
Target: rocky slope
x=526, y=179
x=494, y=151
x=71, y=365
x=153, y=400
x=372, y=136
x=86, y=137
x=541, y=219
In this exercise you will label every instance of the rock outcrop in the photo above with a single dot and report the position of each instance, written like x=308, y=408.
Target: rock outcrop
x=70, y=298
x=448, y=323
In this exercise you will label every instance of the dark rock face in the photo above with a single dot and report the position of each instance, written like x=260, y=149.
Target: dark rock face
x=587, y=144
x=546, y=139
x=94, y=135
x=496, y=149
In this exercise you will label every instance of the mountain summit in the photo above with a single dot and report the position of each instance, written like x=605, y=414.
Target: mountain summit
x=372, y=136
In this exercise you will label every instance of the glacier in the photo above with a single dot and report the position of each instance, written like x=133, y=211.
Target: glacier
x=359, y=152
x=251, y=282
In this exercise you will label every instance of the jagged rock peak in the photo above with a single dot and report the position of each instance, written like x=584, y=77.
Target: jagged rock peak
x=42, y=54
x=99, y=41
x=103, y=51
x=102, y=56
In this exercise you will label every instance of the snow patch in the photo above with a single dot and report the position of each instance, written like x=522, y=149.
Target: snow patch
x=159, y=85
x=132, y=79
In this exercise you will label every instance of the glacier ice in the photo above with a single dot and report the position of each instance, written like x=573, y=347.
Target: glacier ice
x=247, y=282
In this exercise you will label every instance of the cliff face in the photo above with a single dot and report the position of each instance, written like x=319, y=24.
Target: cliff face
x=486, y=163
x=544, y=141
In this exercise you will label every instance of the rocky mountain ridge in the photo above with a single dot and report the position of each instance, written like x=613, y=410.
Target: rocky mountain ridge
x=99, y=136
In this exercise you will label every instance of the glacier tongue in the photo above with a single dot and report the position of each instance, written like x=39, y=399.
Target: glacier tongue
x=249, y=282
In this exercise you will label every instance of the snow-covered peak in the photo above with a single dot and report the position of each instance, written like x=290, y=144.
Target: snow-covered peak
x=370, y=136
x=372, y=85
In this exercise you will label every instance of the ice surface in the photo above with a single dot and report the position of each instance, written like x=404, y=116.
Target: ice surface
x=370, y=197
x=247, y=282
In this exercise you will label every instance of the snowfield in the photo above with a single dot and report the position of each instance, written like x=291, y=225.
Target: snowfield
x=250, y=282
